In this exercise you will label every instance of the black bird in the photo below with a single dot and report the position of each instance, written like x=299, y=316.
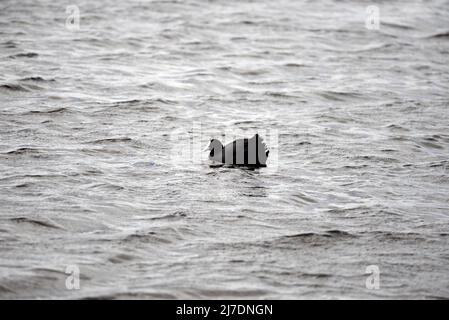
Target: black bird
x=251, y=152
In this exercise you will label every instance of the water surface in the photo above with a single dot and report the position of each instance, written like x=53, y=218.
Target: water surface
x=361, y=178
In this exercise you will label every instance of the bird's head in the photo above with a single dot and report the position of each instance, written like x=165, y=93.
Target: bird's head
x=214, y=144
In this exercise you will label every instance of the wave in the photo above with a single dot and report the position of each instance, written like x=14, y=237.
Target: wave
x=37, y=79
x=110, y=140
x=121, y=258
x=294, y=65
x=23, y=150
x=400, y=236
x=5, y=289
x=397, y=25
x=14, y=87
x=161, y=235
x=131, y=295
x=106, y=187
x=312, y=238
x=174, y=215
x=51, y=111
x=9, y=44
x=339, y=95
x=24, y=55
x=281, y=95
x=439, y=35
x=147, y=103
x=35, y=222
x=326, y=234
x=374, y=158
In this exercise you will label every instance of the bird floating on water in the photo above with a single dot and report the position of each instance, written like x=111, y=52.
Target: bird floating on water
x=251, y=152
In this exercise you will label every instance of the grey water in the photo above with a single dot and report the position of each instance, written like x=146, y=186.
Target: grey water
x=87, y=176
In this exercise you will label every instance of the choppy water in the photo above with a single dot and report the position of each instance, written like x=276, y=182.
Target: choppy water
x=363, y=138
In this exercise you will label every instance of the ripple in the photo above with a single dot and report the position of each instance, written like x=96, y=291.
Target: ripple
x=312, y=238
x=36, y=222
x=24, y=150
x=439, y=35
x=110, y=140
x=36, y=79
x=24, y=55
x=13, y=87
x=60, y=110
x=359, y=139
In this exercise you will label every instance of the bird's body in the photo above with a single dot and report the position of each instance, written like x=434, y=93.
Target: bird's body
x=241, y=152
